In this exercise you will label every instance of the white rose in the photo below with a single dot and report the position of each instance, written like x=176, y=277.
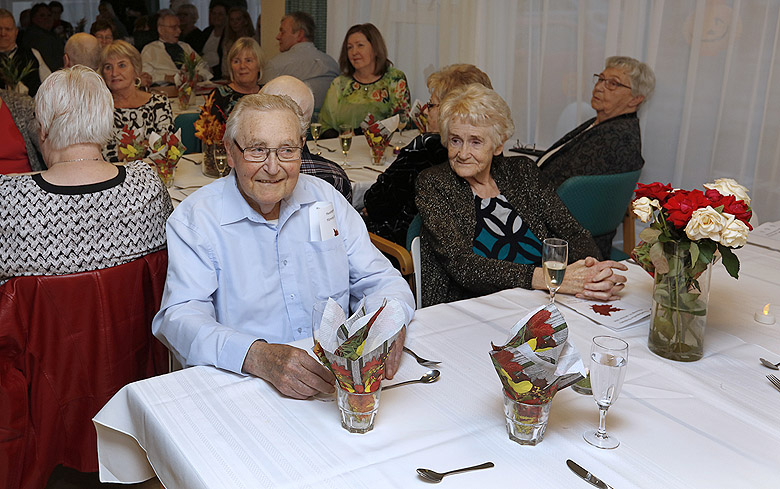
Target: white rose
x=729, y=186
x=706, y=223
x=644, y=208
x=734, y=234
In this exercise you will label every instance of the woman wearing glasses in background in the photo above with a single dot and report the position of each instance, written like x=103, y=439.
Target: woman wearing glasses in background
x=610, y=142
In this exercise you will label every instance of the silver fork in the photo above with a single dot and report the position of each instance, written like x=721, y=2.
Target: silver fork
x=774, y=380
x=422, y=361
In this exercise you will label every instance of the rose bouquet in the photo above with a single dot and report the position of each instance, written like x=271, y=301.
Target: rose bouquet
x=166, y=150
x=131, y=147
x=688, y=232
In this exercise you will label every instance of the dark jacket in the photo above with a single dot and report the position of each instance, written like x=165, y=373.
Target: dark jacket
x=450, y=269
x=612, y=146
x=50, y=46
x=390, y=201
x=32, y=81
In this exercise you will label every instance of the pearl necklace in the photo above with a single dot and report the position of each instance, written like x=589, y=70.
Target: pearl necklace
x=77, y=159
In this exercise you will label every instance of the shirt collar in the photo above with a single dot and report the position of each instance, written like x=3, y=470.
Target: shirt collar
x=235, y=207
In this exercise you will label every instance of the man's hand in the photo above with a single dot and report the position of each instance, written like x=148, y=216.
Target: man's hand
x=291, y=370
x=394, y=357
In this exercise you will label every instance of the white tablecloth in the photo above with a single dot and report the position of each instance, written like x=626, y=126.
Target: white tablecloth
x=711, y=423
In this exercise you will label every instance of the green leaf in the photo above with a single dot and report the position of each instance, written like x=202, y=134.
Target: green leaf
x=649, y=235
x=694, y=252
x=659, y=259
x=730, y=260
x=707, y=249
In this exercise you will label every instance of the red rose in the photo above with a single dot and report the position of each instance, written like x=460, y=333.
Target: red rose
x=736, y=207
x=681, y=205
x=653, y=191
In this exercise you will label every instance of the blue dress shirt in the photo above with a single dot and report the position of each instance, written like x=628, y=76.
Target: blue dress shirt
x=234, y=278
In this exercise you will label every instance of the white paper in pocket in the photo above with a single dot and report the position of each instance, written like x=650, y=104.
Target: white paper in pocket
x=322, y=221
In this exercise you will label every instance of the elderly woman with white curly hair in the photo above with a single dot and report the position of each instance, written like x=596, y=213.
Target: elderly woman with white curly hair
x=82, y=213
x=485, y=216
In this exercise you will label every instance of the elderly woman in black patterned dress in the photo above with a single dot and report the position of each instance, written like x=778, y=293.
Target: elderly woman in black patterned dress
x=485, y=216
x=82, y=213
x=144, y=113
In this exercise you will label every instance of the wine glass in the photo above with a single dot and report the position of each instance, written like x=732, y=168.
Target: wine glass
x=555, y=255
x=220, y=160
x=608, y=361
x=345, y=137
x=403, y=121
x=316, y=129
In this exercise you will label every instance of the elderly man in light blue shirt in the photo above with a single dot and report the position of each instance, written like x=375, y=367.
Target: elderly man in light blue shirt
x=251, y=253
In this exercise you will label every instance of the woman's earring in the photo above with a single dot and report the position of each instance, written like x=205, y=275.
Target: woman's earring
x=137, y=82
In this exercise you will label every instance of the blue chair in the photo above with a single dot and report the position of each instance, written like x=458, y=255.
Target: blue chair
x=186, y=122
x=413, y=231
x=599, y=203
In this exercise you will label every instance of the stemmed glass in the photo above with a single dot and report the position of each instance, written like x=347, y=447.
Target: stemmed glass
x=608, y=361
x=345, y=137
x=403, y=121
x=555, y=255
x=316, y=128
x=220, y=160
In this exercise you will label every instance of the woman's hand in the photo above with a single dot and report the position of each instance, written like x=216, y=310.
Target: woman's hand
x=588, y=279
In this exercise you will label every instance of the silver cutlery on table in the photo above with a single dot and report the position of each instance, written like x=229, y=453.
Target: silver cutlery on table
x=766, y=363
x=427, y=378
x=324, y=147
x=373, y=169
x=587, y=476
x=774, y=380
x=422, y=361
x=431, y=476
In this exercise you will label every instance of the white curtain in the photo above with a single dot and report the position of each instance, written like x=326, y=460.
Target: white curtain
x=716, y=108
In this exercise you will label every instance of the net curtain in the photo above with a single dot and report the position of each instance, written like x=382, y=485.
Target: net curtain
x=716, y=108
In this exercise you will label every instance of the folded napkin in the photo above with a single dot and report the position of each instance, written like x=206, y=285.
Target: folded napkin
x=131, y=147
x=537, y=360
x=355, y=349
x=166, y=150
x=419, y=115
x=378, y=134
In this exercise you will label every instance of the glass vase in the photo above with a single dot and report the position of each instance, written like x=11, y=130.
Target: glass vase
x=680, y=299
x=209, y=168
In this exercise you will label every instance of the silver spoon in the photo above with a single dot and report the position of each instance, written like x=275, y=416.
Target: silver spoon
x=432, y=476
x=422, y=361
x=427, y=378
x=768, y=364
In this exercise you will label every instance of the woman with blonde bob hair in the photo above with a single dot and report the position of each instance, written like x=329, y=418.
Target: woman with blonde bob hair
x=82, y=213
x=139, y=111
x=485, y=216
x=245, y=62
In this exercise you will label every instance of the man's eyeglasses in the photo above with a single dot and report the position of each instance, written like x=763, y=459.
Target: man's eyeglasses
x=609, y=83
x=259, y=155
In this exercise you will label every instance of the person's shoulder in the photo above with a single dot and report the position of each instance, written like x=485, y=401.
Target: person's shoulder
x=436, y=173
x=394, y=73
x=152, y=46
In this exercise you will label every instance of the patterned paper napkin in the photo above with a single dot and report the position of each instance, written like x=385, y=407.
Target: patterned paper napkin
x=537, y=360
x=378, y=134
x=419, y=115
x=166, y=150
x=131, y=147
x=355, y=349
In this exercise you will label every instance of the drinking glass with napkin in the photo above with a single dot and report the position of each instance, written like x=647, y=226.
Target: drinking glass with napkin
x=378, y=134
x=166, y=150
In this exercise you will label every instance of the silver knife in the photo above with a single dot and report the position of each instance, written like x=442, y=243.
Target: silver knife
x=587, y=476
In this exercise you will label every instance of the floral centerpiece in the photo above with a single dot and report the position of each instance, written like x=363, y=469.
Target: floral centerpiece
x=166, y=150
x=210, y=130
x=188, y=78
x=131, y=147
x=688, y=232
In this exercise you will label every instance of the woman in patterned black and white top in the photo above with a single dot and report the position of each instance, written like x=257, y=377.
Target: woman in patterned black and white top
x=144, y=113
x=83, y=213
x=485, y=216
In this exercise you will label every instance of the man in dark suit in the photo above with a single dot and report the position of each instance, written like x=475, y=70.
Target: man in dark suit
x=19, y=56
x=39, y=36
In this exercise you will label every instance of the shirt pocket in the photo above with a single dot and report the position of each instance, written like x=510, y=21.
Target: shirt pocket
x=328, y=268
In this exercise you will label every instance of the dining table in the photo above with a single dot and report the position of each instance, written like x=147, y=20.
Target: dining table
x=710, y=423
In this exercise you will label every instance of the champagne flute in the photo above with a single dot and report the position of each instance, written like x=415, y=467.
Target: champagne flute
x=220, y=160
x=345, y=137
x=316, y=129
x=608, y=361
x=555, y=255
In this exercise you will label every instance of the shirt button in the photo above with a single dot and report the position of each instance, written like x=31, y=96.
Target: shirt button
x=299, y=330
x=285, y=262
x=292, y=296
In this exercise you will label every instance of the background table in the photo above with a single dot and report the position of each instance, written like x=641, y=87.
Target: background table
x=711, y=423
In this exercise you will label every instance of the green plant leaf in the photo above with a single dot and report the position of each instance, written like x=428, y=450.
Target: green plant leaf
x=659, y=259
x=694, y=252
x=649, y=235
x=707, y=249
x=730, y=260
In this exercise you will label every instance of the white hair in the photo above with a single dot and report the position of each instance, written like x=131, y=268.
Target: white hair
x=74, y=106
x=261, y=102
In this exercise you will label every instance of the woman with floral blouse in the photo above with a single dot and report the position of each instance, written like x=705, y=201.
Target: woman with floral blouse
x=368, y=83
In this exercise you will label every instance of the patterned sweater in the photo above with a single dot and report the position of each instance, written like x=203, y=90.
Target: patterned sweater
x=48, y=229
x=451, y=270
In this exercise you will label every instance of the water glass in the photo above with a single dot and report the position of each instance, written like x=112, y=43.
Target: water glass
x=525, y=423
x=358, y=411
